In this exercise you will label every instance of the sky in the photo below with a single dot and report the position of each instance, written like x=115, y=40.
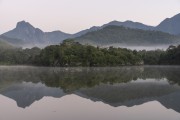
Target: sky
x=71, y=16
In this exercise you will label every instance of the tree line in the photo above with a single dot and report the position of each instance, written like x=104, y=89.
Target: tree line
x=71, y=53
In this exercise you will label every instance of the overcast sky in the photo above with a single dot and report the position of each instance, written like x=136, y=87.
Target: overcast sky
x=74, y=15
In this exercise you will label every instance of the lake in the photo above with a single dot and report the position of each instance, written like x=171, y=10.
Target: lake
x=107, y=93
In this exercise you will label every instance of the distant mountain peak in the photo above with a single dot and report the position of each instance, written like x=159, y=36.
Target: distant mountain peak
x=178, y=15
x=32, y=36
x=58, y=32
x=114, y=21
x=170, y=25
x=129, y=21
x=23, y=24
x=129, y=24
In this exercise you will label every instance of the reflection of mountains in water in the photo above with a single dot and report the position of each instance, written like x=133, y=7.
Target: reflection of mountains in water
x=27, y=93
x=94, y=84
x=131, y=94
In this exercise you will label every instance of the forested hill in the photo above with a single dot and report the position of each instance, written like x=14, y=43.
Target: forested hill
x=127, y=36
x=5, y=45
x=13, y=42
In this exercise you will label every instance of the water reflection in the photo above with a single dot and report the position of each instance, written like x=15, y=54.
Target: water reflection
x=73, y=107
x=123, y=86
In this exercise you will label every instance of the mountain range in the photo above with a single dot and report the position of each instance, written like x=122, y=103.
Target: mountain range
x=111, y=35
x=34, y=36
x=169, y=25
x=25, y=34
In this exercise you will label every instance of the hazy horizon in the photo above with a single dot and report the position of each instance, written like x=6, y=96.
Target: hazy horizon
x=72, y=16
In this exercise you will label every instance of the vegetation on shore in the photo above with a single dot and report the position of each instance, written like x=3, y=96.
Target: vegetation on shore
x=71, y=53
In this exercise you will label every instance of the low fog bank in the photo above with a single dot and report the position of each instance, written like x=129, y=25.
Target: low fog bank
x=131, y=47
x=41, y=46
x=138, y=48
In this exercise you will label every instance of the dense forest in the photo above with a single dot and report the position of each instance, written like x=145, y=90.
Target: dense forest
x=71, y=53
x=127, y=36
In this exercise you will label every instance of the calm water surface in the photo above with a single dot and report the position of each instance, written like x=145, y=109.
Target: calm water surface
x=122, y=93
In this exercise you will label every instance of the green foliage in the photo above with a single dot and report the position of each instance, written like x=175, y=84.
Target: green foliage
x=18, y=56
x=151, y=57
x=5, y=45
x=172, y=56
x=11, y=41
x=158, y=57
x=71, y=53
x=127, y=36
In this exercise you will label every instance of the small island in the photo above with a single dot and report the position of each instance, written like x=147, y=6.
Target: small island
x=73, y=54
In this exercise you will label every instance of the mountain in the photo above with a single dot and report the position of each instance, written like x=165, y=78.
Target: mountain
x=5, y=43
x=34, y=36
x=12, y=41
x=129, y=24
x=127, y=36
x=94, y=28
x=26, y=32
x=170, y=25
x=56, y=37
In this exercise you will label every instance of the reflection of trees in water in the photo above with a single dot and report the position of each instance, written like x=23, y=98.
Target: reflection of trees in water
x=97, y=84
x=171, y=73
x=73, y=79
x=70, y=79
